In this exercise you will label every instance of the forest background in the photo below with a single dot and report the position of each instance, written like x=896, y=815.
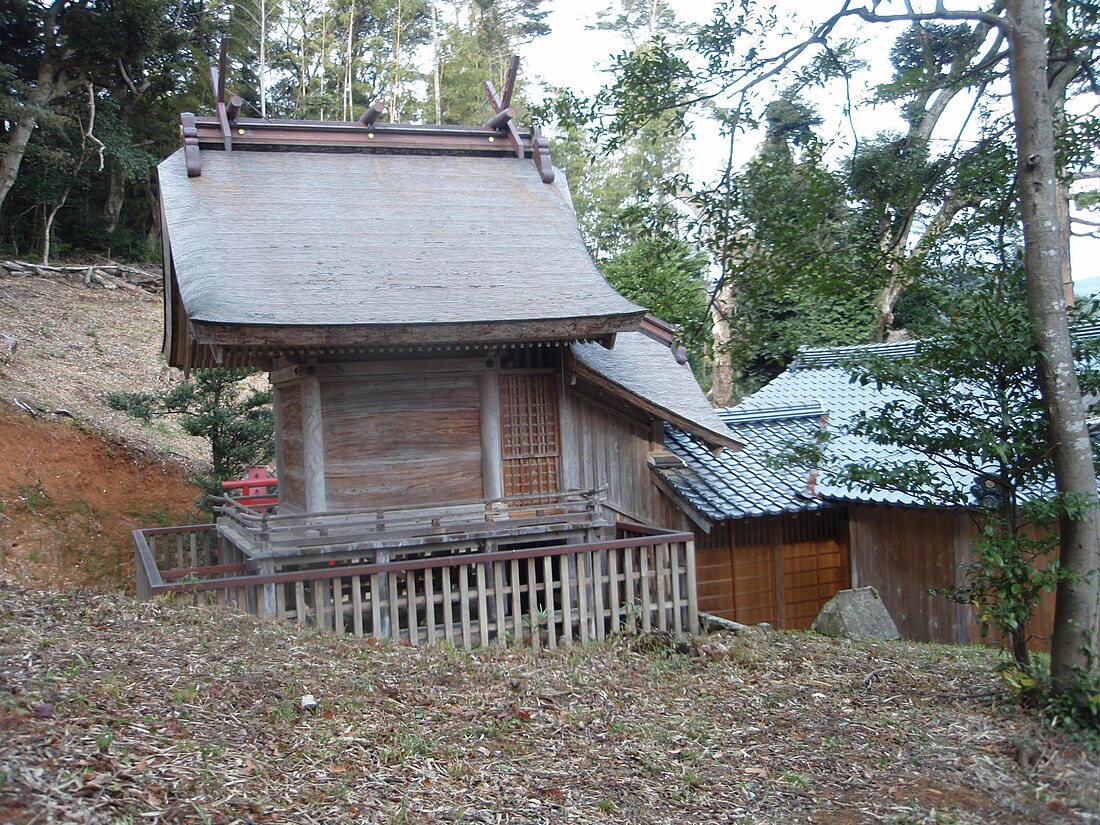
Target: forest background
x=793, y=226
x=804, y=242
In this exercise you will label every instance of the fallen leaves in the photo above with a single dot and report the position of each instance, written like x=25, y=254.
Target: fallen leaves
x=182, y=714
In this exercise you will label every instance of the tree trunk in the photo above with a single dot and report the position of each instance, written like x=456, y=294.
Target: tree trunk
x=12, y=157
x=50, y=85
x=721, y=388
x=116, y=195
x=1077, y=608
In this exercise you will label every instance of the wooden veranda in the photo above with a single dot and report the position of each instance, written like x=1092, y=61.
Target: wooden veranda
x=543, y=571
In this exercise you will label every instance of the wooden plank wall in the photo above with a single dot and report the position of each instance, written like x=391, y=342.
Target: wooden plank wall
x=603, y=448
x=779, y=570
x=290, y=470
x=903, y=552
x=401, y=440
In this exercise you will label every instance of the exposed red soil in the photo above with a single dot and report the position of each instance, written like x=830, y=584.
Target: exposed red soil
x=69, y=502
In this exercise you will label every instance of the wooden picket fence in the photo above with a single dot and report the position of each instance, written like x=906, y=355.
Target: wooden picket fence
x=548, y=596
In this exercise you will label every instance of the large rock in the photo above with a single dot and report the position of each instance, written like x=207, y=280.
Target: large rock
x=8, y=346
x=856, y=614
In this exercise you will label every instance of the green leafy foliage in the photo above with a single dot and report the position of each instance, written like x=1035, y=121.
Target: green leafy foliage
x=665, y=275
x=972, y=409
x=214, y=404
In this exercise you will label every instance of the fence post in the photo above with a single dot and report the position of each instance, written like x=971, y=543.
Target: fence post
x=692, y=594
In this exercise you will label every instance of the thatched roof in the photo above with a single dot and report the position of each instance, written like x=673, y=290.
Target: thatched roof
x=296, y=249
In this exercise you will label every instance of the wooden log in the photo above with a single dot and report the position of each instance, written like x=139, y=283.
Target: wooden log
x=501, y=118
x=369, y=117
x=233, y=108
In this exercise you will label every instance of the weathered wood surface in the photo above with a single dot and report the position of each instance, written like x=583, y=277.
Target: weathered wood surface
x=474, y=600
x=905, y=552
x=601, y=448
x=396, y=441
x=777, y=570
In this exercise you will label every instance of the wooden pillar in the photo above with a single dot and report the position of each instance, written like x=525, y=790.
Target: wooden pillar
x=277, y=401
x=313, y=445
x=313, y=459
x=492, y=463
x=570, y=460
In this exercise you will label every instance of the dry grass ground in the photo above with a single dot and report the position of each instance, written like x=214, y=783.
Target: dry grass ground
x=114, y=711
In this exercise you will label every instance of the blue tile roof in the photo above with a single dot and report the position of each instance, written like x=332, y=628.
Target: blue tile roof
x=741, y=484
x=814, y=392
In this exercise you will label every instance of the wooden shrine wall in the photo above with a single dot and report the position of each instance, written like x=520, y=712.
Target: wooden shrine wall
x=401, y=440
x=780, y=570
x=602, y=448
x=396, y=433
x=904, y=552
x=287, y=404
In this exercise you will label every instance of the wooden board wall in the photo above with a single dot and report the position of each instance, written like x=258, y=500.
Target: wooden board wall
x=603, y=448
x=779, y=570
x=903, y=552
x=401, y=440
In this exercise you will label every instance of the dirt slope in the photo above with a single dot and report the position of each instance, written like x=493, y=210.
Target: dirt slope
x=75, y=476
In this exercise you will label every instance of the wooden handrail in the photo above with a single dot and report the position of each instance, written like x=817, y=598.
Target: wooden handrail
x=408, y=565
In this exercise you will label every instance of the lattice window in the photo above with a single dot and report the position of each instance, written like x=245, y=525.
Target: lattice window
x=530, y=442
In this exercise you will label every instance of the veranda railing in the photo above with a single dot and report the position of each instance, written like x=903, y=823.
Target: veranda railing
x=643, y=580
